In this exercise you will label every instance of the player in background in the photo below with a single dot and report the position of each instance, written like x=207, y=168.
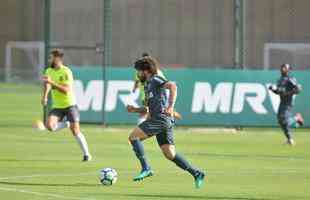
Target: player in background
x=58, y=80
x=139, y=83
x=286, y=88
x=160, y=121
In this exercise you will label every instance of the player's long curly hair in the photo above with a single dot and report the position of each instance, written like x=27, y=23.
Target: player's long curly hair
x=147, y=63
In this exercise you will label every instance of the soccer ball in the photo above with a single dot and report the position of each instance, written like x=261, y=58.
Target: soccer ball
x=108, y=176
x=39, y=125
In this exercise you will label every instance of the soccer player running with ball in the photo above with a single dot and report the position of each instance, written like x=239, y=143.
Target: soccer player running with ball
x=58, y=80
x=160, y=121
x=140, y=83
x=286, y=88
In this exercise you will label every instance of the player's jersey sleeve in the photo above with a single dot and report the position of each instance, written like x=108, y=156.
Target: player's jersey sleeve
x=46, y=71
x=136, y=78
x=294, y=84
x=159, y=81
x=67, y=77
x=161, y=74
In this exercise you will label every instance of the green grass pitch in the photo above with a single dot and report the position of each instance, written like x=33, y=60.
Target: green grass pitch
x=250, y=165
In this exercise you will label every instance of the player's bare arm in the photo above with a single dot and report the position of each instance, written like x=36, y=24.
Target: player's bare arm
x=64, y=88
x=135, y=86
x=274, y=89
x=172, y=87
x=46, y=90
x=133, y=109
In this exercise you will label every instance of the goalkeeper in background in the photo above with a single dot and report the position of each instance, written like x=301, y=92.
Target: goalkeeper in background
x=140, y=83
x=58, y=80
x=286, y=88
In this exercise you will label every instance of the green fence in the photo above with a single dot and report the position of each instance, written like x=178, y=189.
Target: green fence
x=205, y=97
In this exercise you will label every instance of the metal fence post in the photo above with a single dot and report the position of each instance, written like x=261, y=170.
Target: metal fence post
x=239, y=33
x=47, y=16
x=107, y=52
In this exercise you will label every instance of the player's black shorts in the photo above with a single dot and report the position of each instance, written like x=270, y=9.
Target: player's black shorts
x=161, y=128
x=71, y=113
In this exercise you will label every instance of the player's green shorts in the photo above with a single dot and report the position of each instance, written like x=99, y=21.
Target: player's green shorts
x=71, y=113
x=161, y=127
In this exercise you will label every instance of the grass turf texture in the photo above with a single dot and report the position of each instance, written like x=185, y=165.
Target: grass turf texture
x=252, y=165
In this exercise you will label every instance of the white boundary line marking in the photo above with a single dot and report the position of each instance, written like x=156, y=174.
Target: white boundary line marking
x=44, y=175
x=42, y=194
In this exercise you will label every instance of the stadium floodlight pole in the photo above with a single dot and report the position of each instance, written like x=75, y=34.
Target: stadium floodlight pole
x=47, y=14
x=107, y=50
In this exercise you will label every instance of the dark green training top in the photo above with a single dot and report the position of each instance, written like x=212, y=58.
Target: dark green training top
x=156, y=96
x=287, y=87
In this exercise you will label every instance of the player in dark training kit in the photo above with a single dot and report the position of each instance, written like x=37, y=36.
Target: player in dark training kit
x=160, y=121
x=286, y=88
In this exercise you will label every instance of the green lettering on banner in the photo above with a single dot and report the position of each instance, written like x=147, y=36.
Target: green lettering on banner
x=205, y=97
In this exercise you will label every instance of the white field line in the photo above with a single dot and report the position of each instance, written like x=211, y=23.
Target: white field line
x=44, y=175
x=57, y=196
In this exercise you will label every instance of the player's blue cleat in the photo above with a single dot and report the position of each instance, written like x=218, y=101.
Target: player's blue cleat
x=143, y=174
x=199, y=179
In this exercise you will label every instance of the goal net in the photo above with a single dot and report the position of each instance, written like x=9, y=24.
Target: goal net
x=296, y=54
x=24, y=61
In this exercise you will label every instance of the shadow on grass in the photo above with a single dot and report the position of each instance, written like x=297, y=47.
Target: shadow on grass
x=137, y=196
x=49, y=184
x=206, y=197
x=276, y=157
x=15, y=125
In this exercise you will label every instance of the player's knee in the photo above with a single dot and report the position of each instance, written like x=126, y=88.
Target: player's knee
x=50, y=126
x=169, y=155
x=132, y=137
x=168, y=151
x=137, y=134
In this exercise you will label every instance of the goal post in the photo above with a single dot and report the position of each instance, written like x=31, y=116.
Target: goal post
x=33, y=51
x=296, y=54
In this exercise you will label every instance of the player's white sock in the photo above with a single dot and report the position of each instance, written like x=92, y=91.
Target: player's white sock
x=83, y=143
x=141, y=120
x=61, y=125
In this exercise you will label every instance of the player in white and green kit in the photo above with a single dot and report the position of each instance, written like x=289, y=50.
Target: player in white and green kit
x=58, y=80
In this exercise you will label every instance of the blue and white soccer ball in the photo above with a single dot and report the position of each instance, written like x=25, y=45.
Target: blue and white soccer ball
x=108, y=176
